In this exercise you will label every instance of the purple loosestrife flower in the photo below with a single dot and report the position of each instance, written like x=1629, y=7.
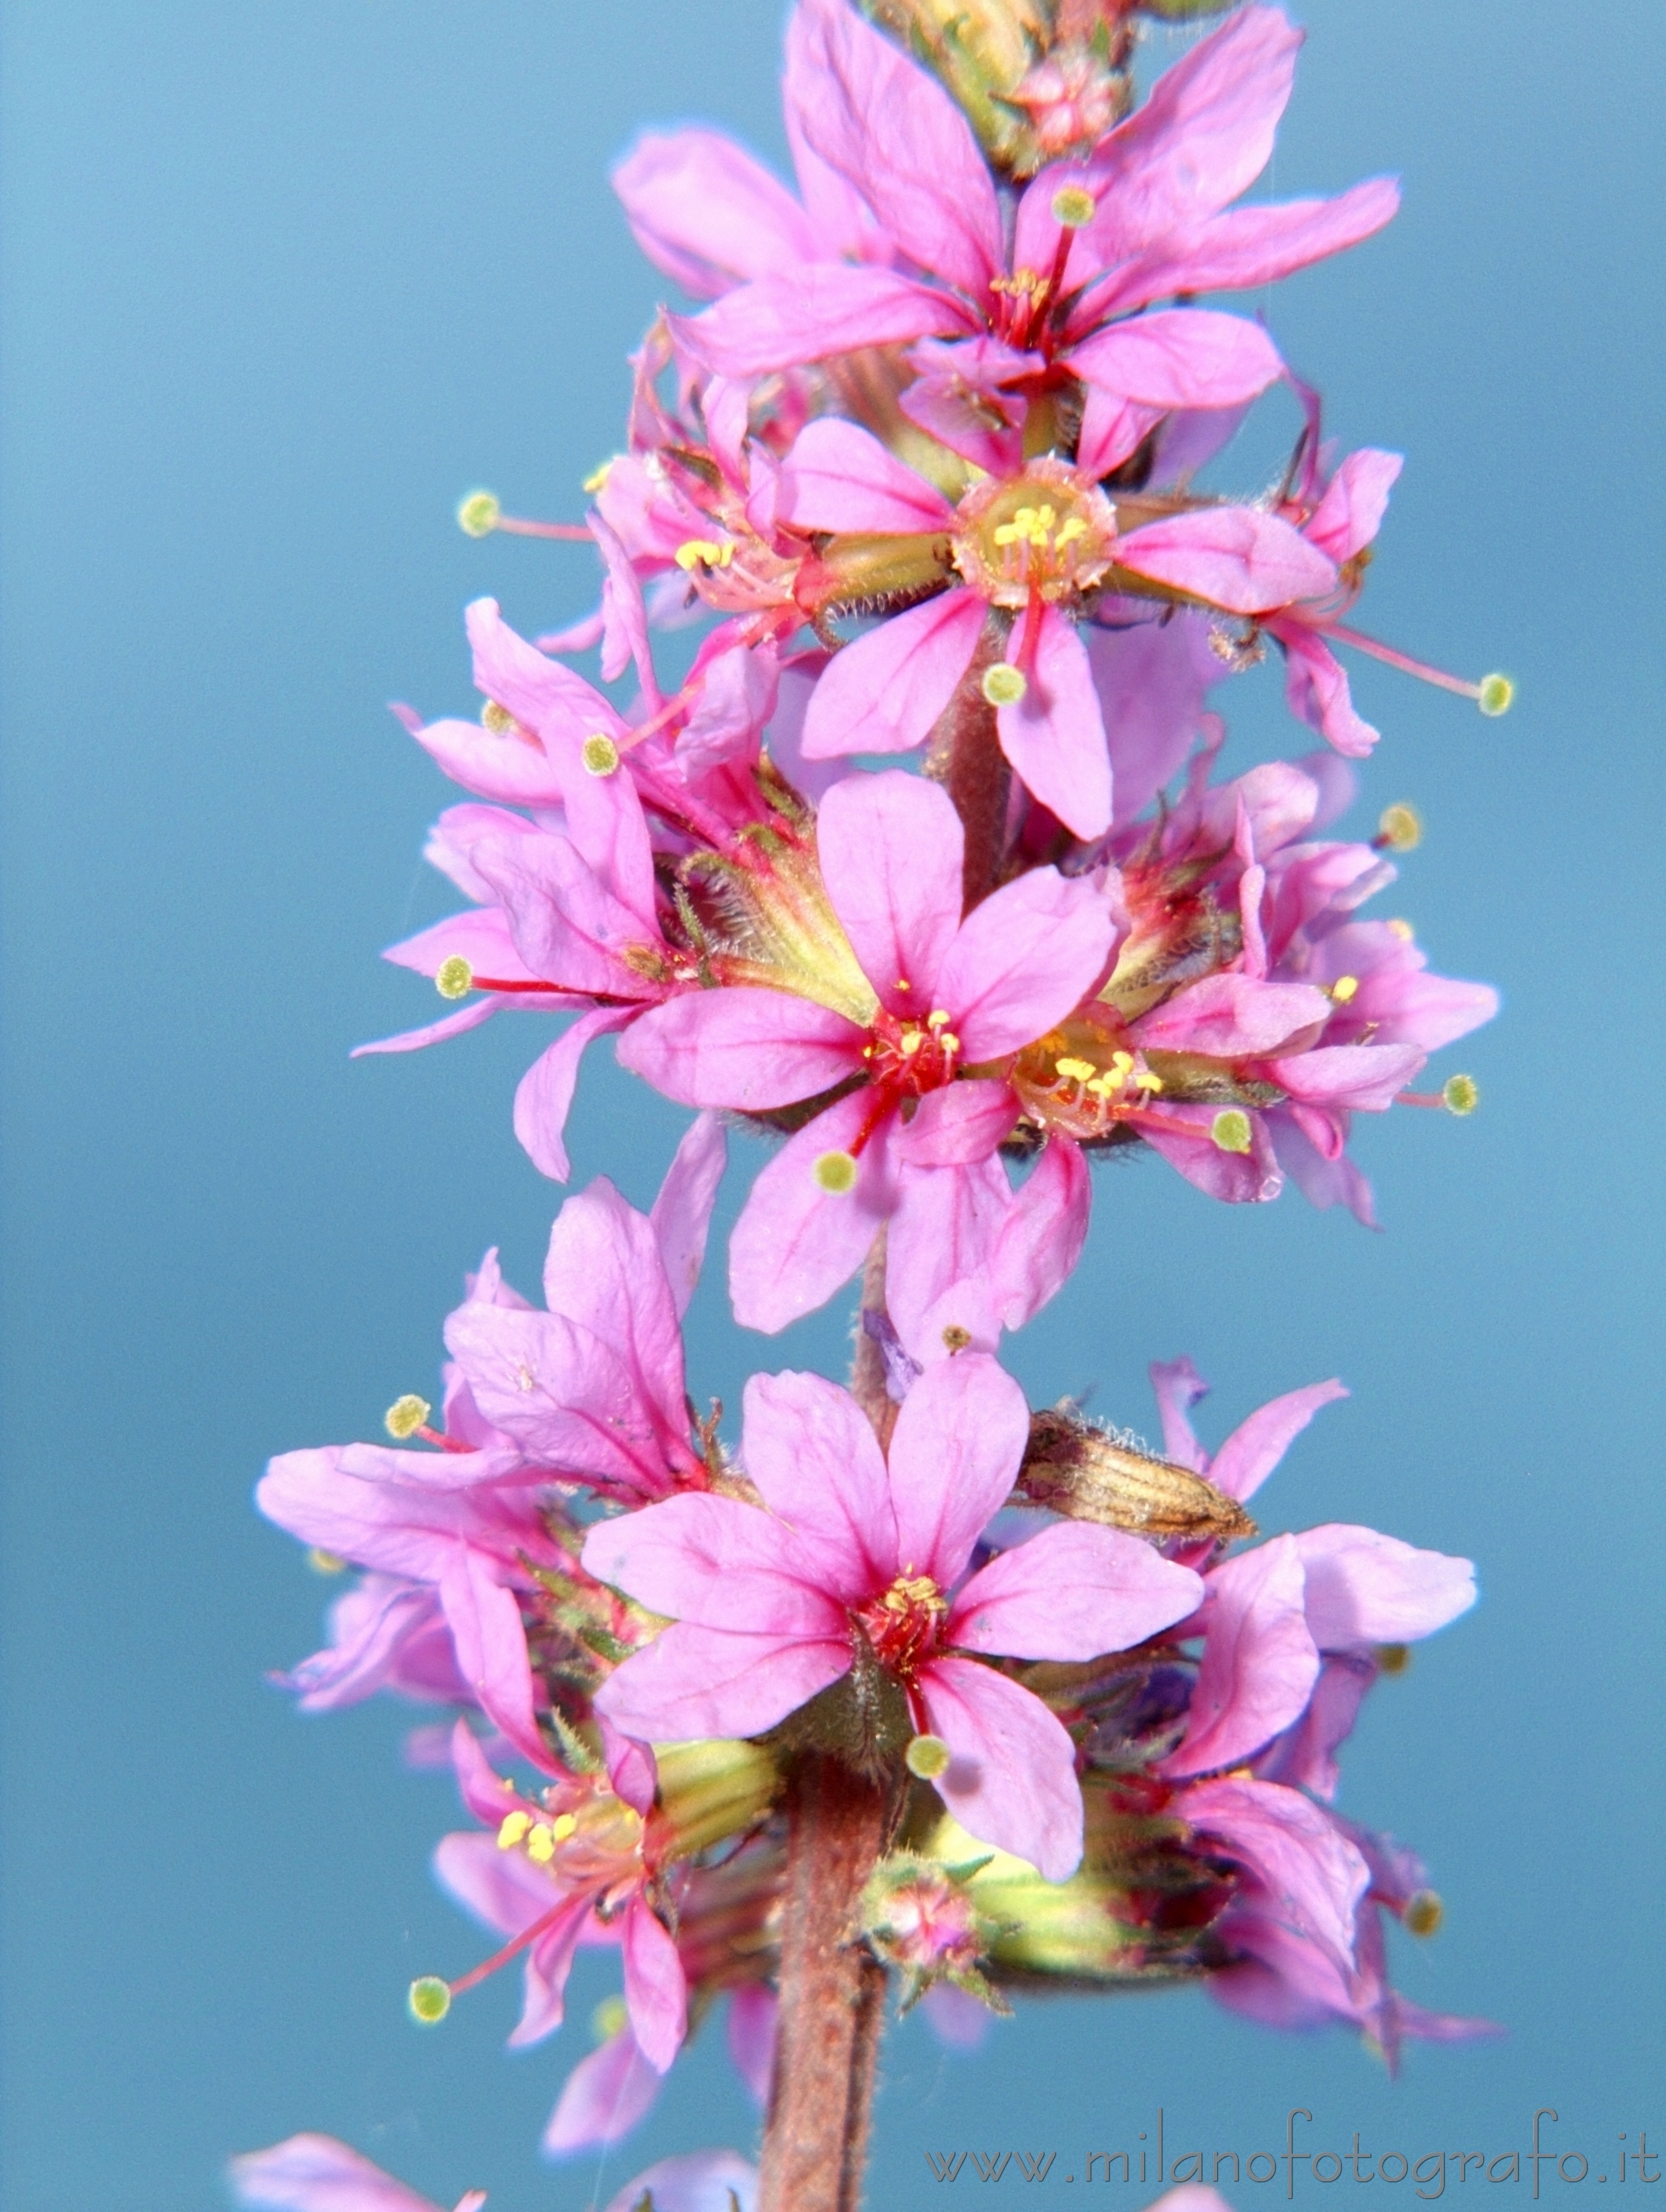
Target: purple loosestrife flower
x=906, y=1013
x=856, y=1560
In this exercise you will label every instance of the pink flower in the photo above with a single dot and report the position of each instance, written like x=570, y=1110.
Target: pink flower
x=859, y=1557
x=316, y=2173
x=1140, y=220
x=921, y=1013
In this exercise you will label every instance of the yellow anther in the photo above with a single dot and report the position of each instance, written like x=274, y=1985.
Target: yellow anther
x=609, y=2017
x=1344, y=988
x=949, y=1041
x=1144, y=1080
x=478, y=515
x=513, y=1828
x=910, y=1592
x=1424, y=1913
x=497, y=719
x=835, y=1172
x=702, y=553
x=405, y=1416
x=1232, y=1131
x=562, y=1826
x=1102, y=1086
x=1122, y=1063
x=453, y=978
x=1400, y=827
x=1003, y=684
x=927, y=1756
x=541, y=1845
x=325, y=1562
x=1394, y=1658
x=910, y=1041
x=903, y=984
x=956, y=1339
x=1072, y=530
x=1403, y=930
x=1460, y=1094
x=598, y=476
x=600, y=754
x=1494, y=694
x=1076, y=1071
x=429, y=1999
x=937, y=1018
x=1073, y=207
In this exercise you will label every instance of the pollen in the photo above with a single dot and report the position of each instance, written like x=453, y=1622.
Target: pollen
x=1394, y=1658
x=1424, y=1913
x=478, y=514
x=541, y=1844
x=937, y=1019
x=608, y=2019
x=453, y=978
x=598, y=477
x=1232, y=1131
x=405, y=1416
x=956, y=1339
x=429, y=2000
x=927, y=1756
x=1073, y=207
x=835, y=1173
x=1401, y=827
x=1495, y=693
x=514, y=1827
x=1344, y=989
x=1460, y=1094
x=497, y=720
x=325, y=1562
x=600, y=754
x=1075, y=1071
x=1403, y=930
x=1003, y=684
x=702, y=553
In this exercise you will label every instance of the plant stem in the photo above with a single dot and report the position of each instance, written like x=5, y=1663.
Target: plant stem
x=967, y=760
x=832, y=1987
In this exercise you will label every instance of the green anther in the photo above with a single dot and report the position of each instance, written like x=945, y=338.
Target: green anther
x=429, y=2000
x=453, y=978
x=836, y=1173
x=1495, y=695
x=927, y=1756
x=1460, y=1094
x=478, y=515
x=405, y=1416
x=1232, y=1131
x=1003, y=684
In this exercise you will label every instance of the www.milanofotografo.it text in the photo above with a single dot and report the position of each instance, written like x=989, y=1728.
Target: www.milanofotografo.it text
x=1628, y=2160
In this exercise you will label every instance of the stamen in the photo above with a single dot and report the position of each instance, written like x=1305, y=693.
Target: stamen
x=835, y=1172
x=325, y=1562
x=1424, y=1913
x=405, y=1416
x=1399, y=828
x=702, y=553
x=514, y=1827
x=927, y=1756
x=1345, y=988
x=453, y=978
x=597, y=479
x=600, y=754
x=497, y=720
x=429, y=2000
x=609, y=2017
x=1074, y=208
x=1232, y=1131
x=1492, y=694
x=1460, y=1094
x=1003, y=684
x=478, y=515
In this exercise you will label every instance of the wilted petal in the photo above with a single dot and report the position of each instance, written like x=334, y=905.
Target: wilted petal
x=1313, y=1877
x=884, y=692
x=1011, y=1779
x=1351, y=513
x=955, y=1453
x=1073, y=1592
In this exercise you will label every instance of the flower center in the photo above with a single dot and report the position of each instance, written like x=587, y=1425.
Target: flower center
x=1048, y=534
x=902, y=1626
x=908, y=1058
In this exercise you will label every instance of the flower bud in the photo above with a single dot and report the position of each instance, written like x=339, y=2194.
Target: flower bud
x=1074, y=1467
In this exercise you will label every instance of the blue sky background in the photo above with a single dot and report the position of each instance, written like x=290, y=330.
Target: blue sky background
x=279, y=284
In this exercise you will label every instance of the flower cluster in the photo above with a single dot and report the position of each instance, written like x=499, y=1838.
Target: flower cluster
x=907, y=1678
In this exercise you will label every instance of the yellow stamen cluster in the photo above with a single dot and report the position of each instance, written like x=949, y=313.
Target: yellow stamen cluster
x=540, y=1838
x=1039, y=526
x=478, y=514
x=1022, y=284
x=405, y=1416
x=702, y=553
x=1121, y=1073
x=911, y=1592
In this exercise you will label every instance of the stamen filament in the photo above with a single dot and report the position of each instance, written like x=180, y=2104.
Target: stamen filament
x=578, y=533
x=511, y=1949
x=1403, y=661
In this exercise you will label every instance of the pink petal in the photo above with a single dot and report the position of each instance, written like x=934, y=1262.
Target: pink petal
x=504, y=1890
x=1247, y=247
x=485, y=1624
x=795, y=1243
x=656, y=1989
x=1023, y=960
x=940, y=1248
x=1256, y=1446
x=958, y=1127
x=752, y=1049
x=892, y=850
x=1073, y=1592
x=1259, y=1662
x=1178, y=1386
x=465, y=1018
x=603, y=2099
x=631, y=1767
x=544, y=1981
x=1364, y=1588
x=709, y=215
x=1054, y=737
x=603, y=1271
x=1313, y=1877
x=503, y=768
x=1250, y=1178
x=1181, y=357
x=813, y=1454
x=825, y=307
x=1239, y=558
x=1151, y=677
x=316, y=2173
x=954, y=1456
x=545, y=1094
x=481, y=935
x=1325, y=1177
x=1113, y=430
x=1012, y=1780
x=691, y=1683
x=624, y=617
x=1043, y=1236
x=958, y=2021
x=753, y=2012
x=1356, y=499
x=1231, y=1017
x=891, y=131
x=699, y=2181
x=884, y=692
x=1317, y=691
x=1367, y=1078
x=839, y=477
x=683, y=1212
x=719, y=1562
